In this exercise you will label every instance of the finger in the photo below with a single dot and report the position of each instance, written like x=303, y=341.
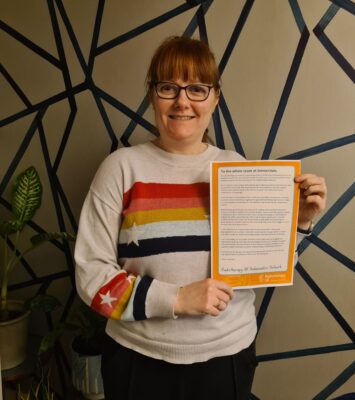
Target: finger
x=312, y=189
x=315, y=181
x=303, y=177
x=222, y=305
x=312, y=181
x=213, y=310
x=316, y=201
x=225, y=288
x=222, y=296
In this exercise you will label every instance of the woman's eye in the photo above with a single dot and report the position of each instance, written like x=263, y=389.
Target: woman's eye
x=197, y=89
x=168, y=88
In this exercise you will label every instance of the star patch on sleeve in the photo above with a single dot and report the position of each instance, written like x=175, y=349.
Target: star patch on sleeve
x=133, y=234
x=107, y=299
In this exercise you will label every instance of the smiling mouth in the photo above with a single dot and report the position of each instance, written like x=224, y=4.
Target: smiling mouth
x=181, y=117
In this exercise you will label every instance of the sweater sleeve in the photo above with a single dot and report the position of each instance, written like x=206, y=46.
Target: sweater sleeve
x=109, y=288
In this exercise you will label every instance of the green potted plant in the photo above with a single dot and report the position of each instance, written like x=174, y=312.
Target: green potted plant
x=25, y=201
x=89, y=329
x=40, y=390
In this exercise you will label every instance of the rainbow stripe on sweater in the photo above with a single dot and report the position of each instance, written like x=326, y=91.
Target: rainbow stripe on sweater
x=162, y=218
x=156, y=218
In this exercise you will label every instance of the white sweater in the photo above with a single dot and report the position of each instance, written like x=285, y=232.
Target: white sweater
x=144, y=231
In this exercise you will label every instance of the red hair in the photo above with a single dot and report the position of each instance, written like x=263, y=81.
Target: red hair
x=180, y=57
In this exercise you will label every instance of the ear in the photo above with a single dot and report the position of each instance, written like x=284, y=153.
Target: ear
x=217, y=94
x=216, y=101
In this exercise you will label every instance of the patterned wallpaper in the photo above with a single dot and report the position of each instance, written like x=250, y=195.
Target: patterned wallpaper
x=61, y=113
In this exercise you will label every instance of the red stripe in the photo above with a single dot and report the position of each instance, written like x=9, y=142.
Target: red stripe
x=142, y=190
x=116, y=286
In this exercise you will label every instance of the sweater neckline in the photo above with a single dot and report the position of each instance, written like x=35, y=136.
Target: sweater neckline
x=179, y=160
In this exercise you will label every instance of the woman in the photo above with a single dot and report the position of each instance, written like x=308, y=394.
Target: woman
x=143, y=248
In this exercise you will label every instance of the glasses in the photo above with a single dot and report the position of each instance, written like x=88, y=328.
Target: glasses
x=194, y=92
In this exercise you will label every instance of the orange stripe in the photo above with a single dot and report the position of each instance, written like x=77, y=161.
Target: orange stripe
x=164, y=203
x=121, y=305
x=174, y=214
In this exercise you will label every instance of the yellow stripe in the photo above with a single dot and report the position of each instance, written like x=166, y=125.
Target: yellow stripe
x=122, y=304
x=174, y=214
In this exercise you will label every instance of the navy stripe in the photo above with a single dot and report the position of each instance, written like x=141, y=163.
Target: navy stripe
x=235, y=35
x=95, y=36
x=321, y=148
x=106, y=120
x=336, y=383
x=139, y=298
x=230, y=125
x=43, y=105
x=143, y=28
x=124, y=109
x=327, y=43
x=21, y=150
x=218, y=129
x=332, y=252
x=29, y=44
x=326, y=302
x=72, y=36
x=150, y=247
x=327, y=218
x=297, y=15
x=264, y=306
x=15, y=86
x=65, y=138
x=296, y=62
x=142, y=108
x=347, y=5
x=305, y=352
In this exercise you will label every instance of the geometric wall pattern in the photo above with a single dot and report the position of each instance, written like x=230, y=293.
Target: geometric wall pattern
x=225, y=128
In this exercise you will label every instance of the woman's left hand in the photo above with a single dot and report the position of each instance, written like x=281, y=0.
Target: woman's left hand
x=313, y=196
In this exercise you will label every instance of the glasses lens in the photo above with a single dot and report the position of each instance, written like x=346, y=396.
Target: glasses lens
x=197, y=92
x=167, y=90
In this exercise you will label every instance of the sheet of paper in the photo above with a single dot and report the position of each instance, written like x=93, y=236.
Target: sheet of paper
x=254, y=207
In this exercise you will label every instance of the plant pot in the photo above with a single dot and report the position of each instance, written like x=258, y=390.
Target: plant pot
x=86, y=375
x=13, y=337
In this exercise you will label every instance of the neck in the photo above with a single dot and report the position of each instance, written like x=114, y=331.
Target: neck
x=181, y=148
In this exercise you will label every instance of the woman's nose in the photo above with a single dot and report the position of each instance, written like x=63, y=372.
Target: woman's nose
x=182, y=98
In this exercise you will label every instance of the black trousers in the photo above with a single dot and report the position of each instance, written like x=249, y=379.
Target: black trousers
x=128, y=375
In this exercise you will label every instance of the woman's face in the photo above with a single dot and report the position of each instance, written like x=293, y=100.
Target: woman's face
x=180, y=121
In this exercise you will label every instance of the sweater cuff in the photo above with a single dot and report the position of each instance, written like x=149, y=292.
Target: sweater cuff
x=299, y=237
x=160, y=299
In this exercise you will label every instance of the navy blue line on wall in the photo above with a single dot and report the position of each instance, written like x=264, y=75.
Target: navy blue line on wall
x=30, y=45
x=326, y=302
x=347, y=5
x=329, y=46
x=145, y=27
x=332, y=212
x=14, y=85
x=285, y=94
x=337, y=383
x=321, y=148
x=306, y=352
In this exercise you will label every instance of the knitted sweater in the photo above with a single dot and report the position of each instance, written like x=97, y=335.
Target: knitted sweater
x=144, y=231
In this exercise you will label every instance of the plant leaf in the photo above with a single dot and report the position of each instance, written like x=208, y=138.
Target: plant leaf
x=26, y=195
x=9, y=227
x=50, y=339
x=43, y=303
x=47, y=236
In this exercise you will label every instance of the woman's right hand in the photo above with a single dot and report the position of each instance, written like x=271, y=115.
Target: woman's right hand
x=208, y=296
